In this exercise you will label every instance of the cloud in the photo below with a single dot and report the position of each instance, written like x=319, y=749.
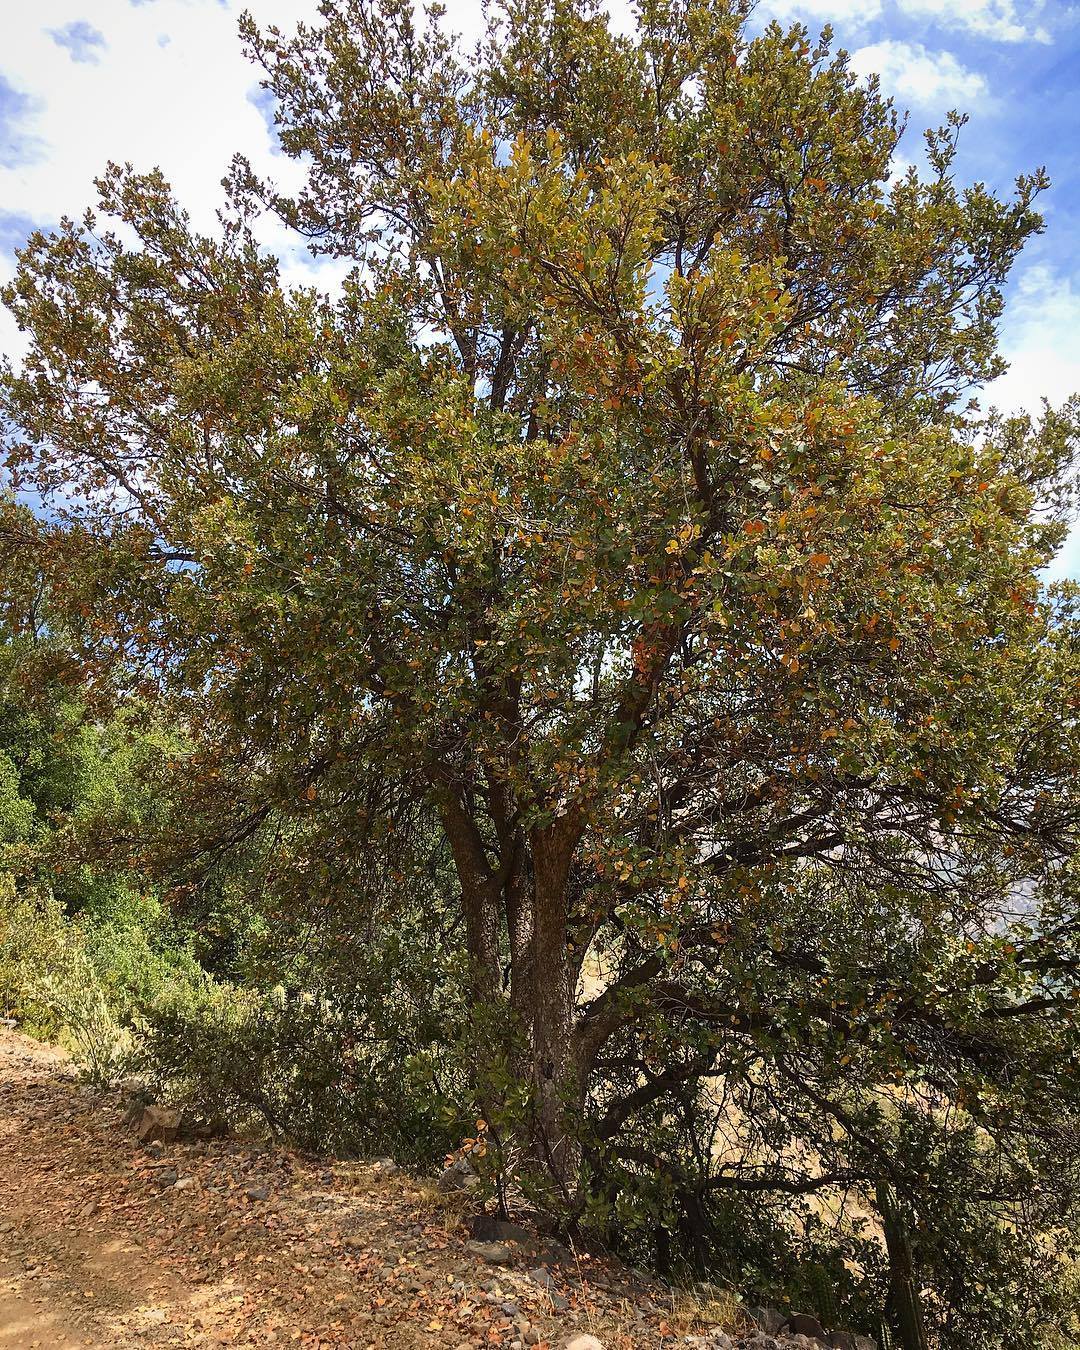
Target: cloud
x=15, y=227
x=16, y=147
x=1041, y=341
x=81, y=40
x=843, y=14
x=182, y=106
x=997, y=20
x=920, y=77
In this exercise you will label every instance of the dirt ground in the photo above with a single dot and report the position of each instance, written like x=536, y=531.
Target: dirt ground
x=107, y=1243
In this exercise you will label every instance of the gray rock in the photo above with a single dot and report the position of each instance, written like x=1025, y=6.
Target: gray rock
x=770, y=1320
x=485, y=1228
x=386, y=1167
x=806, y=1324
x=158, y=1124
x=542, y=1276
x=459, y=1176
x=494, y=1253
x=257, y=1192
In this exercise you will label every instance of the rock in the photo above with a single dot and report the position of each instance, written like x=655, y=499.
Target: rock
x=90, y=1208
x=842, y=1340
x=542, y=1276
x=494, y=1253
x=584, y=1342
x=805, y=1324
x=164, y=1177
x=770, y=1320
x=386, y=1167
x=257, y=1192
x=485, y=1228
x=459, y=1176
x=159, y=1124
x=184, y=1184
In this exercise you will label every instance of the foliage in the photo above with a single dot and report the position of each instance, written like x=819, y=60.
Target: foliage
x=619, y=534
x=308, y=1069
x=81, y=948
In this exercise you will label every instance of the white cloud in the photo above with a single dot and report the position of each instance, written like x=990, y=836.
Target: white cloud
x=998, y=20
x=1041, y=341
x=162, y=83
x=846, y=15
x=920, y=77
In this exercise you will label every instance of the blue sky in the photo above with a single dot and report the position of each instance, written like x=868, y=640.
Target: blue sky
x=164, y=82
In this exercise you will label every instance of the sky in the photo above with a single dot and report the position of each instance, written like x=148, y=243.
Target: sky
x=164, y=82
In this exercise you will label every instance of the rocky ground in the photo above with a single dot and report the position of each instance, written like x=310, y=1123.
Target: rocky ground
x=107, y=1242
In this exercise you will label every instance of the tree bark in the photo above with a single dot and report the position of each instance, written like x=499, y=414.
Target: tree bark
x=555, y=1074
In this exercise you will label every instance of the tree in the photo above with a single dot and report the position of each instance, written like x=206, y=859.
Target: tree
x=624, y=507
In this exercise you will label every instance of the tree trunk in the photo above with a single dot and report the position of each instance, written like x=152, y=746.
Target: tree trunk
x=525, y=907
x=555, y=1076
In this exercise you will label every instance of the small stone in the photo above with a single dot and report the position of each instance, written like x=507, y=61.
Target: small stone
x=584, y=1342
x=257, y=1192
x=386, y=1167
x=542, y=1276
x=842, y=1340
x=184, y=1184
x=494, y=1253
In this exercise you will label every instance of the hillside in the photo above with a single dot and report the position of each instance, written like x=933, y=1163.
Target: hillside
x=107, y=1243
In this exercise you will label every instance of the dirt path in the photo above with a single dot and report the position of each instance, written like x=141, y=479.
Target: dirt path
x=108, y=1244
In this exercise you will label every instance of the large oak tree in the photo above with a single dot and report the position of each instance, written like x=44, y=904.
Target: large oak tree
x=628, y=507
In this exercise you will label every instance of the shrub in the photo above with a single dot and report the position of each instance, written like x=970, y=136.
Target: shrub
x=311, y=1067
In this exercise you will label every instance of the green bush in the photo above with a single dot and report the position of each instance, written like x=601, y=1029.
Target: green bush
x=49, y=981
x=307, y=1066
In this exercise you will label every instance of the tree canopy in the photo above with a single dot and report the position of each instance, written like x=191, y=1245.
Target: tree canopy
x=629, y=515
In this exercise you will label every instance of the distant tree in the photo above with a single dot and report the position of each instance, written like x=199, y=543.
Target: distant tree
x=626, y=508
